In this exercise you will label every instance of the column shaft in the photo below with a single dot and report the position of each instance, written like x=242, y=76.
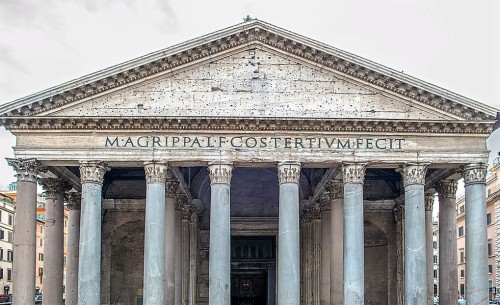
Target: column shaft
x=193, y=258
x=448, y=274
x=288, y=240
x=185, y=255
x=325, y=254
x=178, y=257
x=220, y=235
x=72, y=248
x=53, y=241
x=154, y=234
x=476, y=251
x=429, y=200
x=170, y=243
x=25, y=230
x=335, y=189
x=89, y=264
x=354, y=246
x=316, y=257
x=415, y=246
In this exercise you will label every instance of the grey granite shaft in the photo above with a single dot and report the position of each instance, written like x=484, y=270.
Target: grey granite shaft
x=476, y=251
x=415, y=260
x=178, y=257
x=354, y=247
x=154, y=245
x=429, y=256
x=220, y=245
x=288, y=245
x=89, y=265
x=72, y=257
x=325, y=256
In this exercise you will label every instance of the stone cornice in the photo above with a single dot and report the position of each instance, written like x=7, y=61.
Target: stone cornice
x=246, y=124
x=247, y=34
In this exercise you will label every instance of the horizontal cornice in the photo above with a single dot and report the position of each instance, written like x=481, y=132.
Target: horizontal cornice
x=246, y=124
x=209, y=46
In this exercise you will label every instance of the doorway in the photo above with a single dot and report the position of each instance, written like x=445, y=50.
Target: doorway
x=253, y=265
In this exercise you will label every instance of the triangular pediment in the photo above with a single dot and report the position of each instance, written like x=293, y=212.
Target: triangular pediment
x=251, y=70
x=255, y=82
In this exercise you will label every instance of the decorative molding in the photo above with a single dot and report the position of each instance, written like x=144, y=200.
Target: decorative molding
x=413, y=173
x=353, y=172
x=26, y=169
x=429, y=201
x=447, y=188
x=93, y=171
x=247, y=124
x=474, y=173
x=289, y=172
x=54, y=187
x=253, y=34
x=155, y=171
x=220, y=172
x=74, y=200
x=335, y=189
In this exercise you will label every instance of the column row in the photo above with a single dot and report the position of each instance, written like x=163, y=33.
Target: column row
x=156, y=255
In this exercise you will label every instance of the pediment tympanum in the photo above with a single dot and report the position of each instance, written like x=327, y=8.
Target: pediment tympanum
x=254, y=82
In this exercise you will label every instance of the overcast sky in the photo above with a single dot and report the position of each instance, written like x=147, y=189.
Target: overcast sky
x=452, y=44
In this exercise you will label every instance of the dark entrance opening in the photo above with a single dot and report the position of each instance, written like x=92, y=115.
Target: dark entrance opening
x=253, y=270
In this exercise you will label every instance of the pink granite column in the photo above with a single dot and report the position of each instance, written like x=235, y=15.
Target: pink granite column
x=25, y=227
x=53, y=265
x=73, y=206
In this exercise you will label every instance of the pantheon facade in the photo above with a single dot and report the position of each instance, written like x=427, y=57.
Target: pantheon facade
x=248, y=166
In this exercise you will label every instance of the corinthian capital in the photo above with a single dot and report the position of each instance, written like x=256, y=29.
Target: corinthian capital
x=220, y=172
x=289, y=172
x=93, y=171
x=447, y=188
x=335, y=189
x=54, y=187
x=155, y=171
x=74, y=200
x=474, y=173
x=353, y=172
x=414, y=173
x=26, y=169
x=429, y=201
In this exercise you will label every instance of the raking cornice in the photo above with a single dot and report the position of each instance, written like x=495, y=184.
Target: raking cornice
x=256, y=31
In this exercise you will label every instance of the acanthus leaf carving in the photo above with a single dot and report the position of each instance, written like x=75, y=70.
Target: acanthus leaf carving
x=474, y=173
x=289, y=172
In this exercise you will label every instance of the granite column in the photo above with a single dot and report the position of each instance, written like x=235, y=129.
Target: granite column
x=53, y=265
x=25, y=227
x=89, y=263
x=170, y=246
x=154, y=234
x=288, y=240
x=354, y=246
x=336, y=191
x=448, y=274
x=476, y=251
x=325, y=247
x=220, y=234
x=415, y=246
x=73, y=206
x=429, y=202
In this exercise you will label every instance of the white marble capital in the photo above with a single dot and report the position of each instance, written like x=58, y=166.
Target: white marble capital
x=93, y=171
x=26, y=169
x=54, y=187
x=414, y=173
x=474, y=173
x=353, y=172
x=289, y=172
x=155, y=171
x=447, y=188
x=220, y=172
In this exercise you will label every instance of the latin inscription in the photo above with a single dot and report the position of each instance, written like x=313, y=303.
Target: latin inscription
x=246, y=142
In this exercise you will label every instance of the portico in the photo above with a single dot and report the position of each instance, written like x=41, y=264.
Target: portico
x=272, y=168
